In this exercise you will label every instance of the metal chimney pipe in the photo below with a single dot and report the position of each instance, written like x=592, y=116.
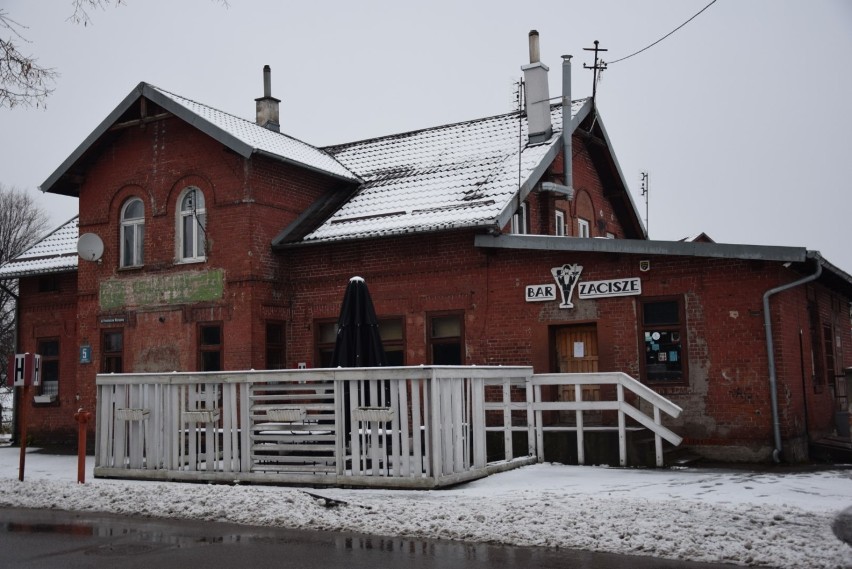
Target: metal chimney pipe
x=267, y=81
x=535, y=52
x=567, y=130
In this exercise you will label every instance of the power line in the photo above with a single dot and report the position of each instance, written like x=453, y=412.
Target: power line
x=665, y=36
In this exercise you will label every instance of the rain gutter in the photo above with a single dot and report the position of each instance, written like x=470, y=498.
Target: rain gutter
x=770, y=349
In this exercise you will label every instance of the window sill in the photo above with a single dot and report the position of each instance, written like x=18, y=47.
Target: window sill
x=44, y=399
x=669, y=388
x=131, y=269
x=190, y=261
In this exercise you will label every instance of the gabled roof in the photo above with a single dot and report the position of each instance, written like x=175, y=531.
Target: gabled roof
x=468, y=174
x=54, y=253
x=242, y=136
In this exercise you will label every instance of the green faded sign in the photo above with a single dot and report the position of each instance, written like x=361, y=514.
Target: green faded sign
x=152, y=290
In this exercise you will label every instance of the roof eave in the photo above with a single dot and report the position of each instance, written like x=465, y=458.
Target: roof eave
x=185, y=114
x=526, y=187
x=581, y=115
x=634, y=210
x=644, y=247
x=349, y=179
x=49, y=185
x=32, y=273
x=229, y=140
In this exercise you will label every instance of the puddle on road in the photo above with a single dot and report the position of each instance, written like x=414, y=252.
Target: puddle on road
x=68, y=529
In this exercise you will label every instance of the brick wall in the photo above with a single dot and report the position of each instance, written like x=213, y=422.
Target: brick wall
x=51, y=315
x=725, y=397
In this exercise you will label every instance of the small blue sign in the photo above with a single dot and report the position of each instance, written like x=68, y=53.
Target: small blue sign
x=85, y=354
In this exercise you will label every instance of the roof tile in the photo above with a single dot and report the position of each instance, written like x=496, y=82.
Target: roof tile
x=458, y=175
x=54, y=253
x=262, y=139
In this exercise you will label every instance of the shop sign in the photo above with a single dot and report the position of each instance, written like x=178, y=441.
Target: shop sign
x=615, y=287
x=540, y=293
x=567, y=279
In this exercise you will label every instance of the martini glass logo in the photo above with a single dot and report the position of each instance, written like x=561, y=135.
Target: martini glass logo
x=567, y=277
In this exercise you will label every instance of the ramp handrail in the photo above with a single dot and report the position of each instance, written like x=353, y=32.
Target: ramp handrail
x=621, y=381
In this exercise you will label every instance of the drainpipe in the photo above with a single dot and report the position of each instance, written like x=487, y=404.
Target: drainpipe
x=770, y=349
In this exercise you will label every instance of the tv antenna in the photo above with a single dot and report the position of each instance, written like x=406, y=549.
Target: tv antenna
x=597, y=68
x=645, y=185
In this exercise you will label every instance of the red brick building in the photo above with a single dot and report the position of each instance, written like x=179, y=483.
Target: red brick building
x=215, y=243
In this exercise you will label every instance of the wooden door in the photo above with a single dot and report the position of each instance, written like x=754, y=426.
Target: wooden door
x=577, y=352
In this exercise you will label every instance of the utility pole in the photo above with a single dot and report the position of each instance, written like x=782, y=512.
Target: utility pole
x=597, y=67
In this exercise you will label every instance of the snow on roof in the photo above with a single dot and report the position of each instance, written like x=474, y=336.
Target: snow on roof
x=54, y=253
x=240, y=135
x=458, y=175
x=259, y=138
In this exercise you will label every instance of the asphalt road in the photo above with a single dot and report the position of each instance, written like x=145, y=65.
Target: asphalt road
x=36, y=539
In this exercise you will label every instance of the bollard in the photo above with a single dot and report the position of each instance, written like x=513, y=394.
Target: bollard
x=82, y=418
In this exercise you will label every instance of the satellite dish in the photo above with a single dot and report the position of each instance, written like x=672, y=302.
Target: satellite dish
x=90, y=247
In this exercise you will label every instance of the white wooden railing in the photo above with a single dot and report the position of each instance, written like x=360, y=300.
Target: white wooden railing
x=522, y=403
x=405, y=427
x=417, y=427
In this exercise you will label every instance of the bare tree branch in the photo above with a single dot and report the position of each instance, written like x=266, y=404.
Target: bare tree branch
x=22, y=80
x=22, y=223
x=81, y=14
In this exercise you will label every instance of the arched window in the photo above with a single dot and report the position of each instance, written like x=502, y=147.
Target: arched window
x=133, y=233
x=192, y=222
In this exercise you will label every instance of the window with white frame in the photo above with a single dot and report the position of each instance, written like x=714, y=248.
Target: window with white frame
x=192, y=224
x=519, y=220
x=582, y=227
x=560, y=223
x=133, y=233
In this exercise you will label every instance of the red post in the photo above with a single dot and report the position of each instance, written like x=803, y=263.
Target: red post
x=24, y=402
x=82, y=418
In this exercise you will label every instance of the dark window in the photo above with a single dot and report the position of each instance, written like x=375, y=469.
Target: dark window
x=210, y=347
x=326, y=334
x=521, y=220
x=446, y=336
x=275, y=346
x=663, y=337
x=48, y=348
x=112, y=348
x=48, y=283
x=828, y=345
x=392, y=333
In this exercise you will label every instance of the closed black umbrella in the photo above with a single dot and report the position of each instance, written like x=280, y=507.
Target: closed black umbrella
x=358, y=342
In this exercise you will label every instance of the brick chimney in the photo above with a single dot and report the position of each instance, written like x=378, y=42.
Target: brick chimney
x=267, y=106
x=537, y=95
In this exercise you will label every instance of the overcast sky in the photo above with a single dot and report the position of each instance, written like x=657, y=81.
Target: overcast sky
x=742, y=118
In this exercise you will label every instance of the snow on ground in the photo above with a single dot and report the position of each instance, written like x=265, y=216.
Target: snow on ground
x=780, y=517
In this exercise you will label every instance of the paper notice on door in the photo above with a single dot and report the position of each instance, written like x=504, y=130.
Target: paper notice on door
x=579, y=349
